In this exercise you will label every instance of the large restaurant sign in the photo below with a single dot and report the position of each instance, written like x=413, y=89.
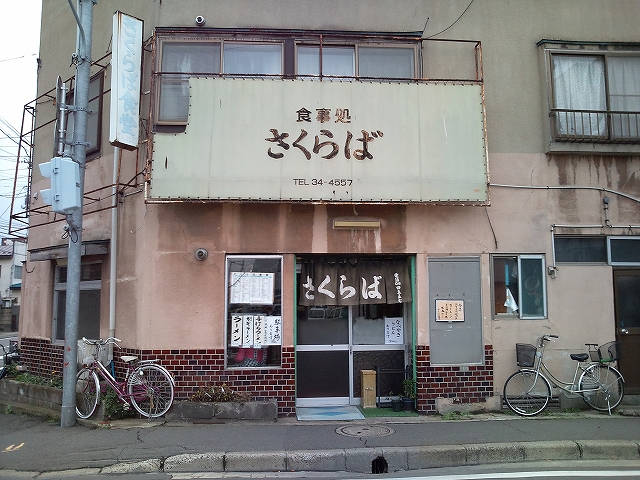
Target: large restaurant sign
x=125, y=81
x=264, y=139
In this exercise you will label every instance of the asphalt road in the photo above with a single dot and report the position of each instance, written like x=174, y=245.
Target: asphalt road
x=29, y=443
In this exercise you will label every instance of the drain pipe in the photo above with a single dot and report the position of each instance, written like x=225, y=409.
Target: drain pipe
x=113, y=250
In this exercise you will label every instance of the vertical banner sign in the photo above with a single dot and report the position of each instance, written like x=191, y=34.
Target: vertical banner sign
x=126, y=60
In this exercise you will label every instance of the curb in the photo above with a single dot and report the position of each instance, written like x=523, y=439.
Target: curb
x=359, y=460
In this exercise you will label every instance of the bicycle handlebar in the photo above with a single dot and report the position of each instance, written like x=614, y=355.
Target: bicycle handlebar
x=546, y=338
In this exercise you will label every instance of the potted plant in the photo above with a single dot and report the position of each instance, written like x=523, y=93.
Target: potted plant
x=408, y=394
x=396, y=402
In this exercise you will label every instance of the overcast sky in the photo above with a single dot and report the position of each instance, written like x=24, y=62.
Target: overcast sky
x=19, y=47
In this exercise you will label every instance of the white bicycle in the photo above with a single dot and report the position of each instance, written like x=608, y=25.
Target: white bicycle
x=528, y=391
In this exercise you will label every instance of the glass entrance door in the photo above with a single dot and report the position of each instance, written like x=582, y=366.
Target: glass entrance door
x=323, y=356
x=380, y=338
x=335, y=343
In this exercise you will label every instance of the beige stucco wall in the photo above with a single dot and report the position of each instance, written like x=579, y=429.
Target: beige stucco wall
x=168, y=299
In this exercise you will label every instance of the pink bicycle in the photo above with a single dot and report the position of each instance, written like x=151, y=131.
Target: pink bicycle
x=148, y=386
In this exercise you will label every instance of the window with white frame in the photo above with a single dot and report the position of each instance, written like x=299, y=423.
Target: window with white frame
x=624, y=250
x=17, y=272
x=181, y=58
x=254, y=311
x=596, y=97
x=519, y=286
x=90, y=291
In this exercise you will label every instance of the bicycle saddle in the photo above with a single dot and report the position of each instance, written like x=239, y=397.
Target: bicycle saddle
x=128, y=358
x=580, y=357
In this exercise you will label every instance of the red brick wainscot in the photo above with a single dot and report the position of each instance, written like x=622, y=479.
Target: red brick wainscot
x=474, y=384
x=191, y=369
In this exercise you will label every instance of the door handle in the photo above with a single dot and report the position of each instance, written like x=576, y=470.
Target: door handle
x=624, y=331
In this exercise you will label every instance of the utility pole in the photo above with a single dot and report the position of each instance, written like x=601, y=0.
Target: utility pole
x=82, y=59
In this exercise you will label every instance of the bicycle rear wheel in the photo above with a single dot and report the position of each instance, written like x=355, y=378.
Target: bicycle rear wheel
x=527, y=392
x=151, y=390
x=607, y=385
x=87, y=392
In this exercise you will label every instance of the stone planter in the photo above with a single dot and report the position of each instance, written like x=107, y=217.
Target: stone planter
x=27, y=396
x=47, y=401
x=205, y=411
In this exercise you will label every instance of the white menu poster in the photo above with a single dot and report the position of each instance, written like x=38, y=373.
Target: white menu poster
x=247, y=331
x=393, y=331
x=253, y=288
x=258, y=331
x=273, y=330
x=236, y=330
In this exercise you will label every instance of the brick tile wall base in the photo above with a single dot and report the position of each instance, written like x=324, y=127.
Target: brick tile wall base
x=191, y=369
x=474, y=384
x=195, y=368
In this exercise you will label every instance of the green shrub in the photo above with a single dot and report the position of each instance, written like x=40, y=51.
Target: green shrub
x=113, y=407
x=54, y=381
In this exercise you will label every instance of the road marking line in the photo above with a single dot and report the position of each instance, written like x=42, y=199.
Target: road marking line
x=13, y=448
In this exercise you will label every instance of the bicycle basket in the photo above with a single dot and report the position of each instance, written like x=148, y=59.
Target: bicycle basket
x=525, y=354
x=86, y=352
x=608, y=352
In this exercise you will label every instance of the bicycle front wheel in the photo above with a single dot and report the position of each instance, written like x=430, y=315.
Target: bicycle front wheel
x=602, y=387
x=87, y=392
x=151, y=390
x=527, y=392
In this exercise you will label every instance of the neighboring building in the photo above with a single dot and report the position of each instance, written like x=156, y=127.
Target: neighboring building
x=324, y=187
x=13, y=254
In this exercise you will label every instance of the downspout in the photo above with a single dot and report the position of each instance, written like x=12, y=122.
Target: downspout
x=113, y=250
x=414, y=326
x=295, y=330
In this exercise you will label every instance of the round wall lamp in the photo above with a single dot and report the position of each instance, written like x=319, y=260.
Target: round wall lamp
x=201, y=254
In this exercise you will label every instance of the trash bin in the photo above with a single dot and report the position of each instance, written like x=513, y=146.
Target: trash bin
x=368, y=394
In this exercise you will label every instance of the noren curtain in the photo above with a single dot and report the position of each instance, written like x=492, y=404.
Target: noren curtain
x=354, y=281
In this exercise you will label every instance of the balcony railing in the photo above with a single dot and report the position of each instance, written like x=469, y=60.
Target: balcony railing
x=595, y=126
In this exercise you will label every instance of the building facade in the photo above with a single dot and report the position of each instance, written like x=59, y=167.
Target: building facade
x=13, y=254
x=313, y=189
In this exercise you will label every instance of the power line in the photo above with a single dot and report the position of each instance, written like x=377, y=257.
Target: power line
x=18, y=58
x=457, y=20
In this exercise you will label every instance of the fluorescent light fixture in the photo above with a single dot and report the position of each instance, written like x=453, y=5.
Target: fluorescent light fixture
x=356, y=224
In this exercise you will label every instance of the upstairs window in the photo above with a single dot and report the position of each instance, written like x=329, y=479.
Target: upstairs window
x=596, y=98
x=180, y=60
x=188, y=57
x=305, y=58
x=357, y=61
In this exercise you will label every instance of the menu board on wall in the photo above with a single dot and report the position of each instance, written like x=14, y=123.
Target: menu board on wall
x=252, y=288
x=449, y=310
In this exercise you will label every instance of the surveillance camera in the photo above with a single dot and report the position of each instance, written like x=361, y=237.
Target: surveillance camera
x=201, y=254
x=200, y=21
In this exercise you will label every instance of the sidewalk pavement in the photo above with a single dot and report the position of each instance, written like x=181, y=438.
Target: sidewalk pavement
x=30, y=446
